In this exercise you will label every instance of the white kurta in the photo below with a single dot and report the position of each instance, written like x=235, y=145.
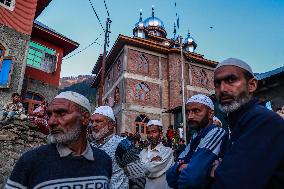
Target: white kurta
x=156, y=170
x=118, y=180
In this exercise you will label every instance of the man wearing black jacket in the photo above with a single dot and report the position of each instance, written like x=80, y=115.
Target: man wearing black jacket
x=254, y=158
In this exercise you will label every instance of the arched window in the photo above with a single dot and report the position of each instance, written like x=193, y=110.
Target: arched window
x=143, y=64
x=203, y=77
x=142, y=91
x=141, y=124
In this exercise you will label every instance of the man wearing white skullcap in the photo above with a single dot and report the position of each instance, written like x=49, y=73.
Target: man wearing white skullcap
x=191, y=169
x=257, y=134
x=69, y=159
x=117, y=147
x=156, y=158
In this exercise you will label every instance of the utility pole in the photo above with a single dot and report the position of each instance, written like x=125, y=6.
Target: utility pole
x=183, y=93
x=102, y=80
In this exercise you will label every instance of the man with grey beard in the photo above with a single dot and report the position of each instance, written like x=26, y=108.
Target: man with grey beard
x=125, y=159
x=68, y=161
x=254, y=157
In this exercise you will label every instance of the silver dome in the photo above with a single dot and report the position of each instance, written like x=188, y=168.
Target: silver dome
x=188, y=40
x=139, y=24
x=153, y=21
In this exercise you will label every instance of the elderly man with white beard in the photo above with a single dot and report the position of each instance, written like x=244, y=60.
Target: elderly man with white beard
x=127, y=171
x=68, y=161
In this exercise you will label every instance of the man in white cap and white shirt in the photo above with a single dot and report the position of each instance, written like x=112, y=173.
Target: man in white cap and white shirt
x=156, y=158
x=194, y=163
x=68, y=161
x=104, y=137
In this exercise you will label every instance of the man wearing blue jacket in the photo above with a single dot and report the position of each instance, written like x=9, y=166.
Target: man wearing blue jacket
x=254, y=158
x=194, y=163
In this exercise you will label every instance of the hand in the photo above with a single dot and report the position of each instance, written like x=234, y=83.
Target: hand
x=156, y=158
x=215, y=164
x=182, y=167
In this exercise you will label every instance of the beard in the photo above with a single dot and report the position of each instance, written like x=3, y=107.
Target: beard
x=97, y=136
x=65, y=138
x=154, y=141
x=237, y=102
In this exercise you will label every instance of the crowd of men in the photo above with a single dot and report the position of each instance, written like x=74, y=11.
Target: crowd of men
x=250, y=156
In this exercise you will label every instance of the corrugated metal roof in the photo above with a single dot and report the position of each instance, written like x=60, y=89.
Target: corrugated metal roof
x=269, y=73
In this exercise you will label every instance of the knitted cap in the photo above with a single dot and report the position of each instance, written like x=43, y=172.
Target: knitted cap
x=202, y=99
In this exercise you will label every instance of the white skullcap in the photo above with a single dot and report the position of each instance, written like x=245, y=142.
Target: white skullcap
x=203, y=99
x=154, y=122
x=106, y=111
x=217, y=119
x=235, y=62
x=76, y=98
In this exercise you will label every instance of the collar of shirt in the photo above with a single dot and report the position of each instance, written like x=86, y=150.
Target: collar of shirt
x=65, y=151
x=157, y=148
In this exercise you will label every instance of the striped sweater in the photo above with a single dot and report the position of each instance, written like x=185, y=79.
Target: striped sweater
x=44, y=168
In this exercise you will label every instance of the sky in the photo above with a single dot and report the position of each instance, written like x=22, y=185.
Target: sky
x=252, y=30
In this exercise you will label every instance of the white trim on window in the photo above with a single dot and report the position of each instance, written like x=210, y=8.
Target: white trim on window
x=8, y=4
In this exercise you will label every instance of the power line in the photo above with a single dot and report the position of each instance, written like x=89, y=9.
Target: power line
x=96, y=15
x=94, y=42
x=106, y=8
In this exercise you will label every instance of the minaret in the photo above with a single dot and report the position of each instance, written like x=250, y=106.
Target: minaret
x=138, y=30
x=189, y=43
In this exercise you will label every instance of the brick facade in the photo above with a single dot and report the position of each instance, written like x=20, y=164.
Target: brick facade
x=149, y=82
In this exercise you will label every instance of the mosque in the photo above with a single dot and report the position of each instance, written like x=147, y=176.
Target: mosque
x=143, y=76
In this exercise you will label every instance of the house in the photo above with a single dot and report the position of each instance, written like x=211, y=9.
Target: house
x=31, y=53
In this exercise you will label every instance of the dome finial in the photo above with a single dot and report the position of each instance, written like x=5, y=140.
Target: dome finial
x=140, y=19
x=188, y=33
x=153, y=10
x=175, y=30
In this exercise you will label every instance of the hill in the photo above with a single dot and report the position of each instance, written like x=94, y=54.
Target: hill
x=84, y=88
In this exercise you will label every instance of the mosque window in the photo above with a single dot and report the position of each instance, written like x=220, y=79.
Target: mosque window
x=203, y=77
x=8, y=4
x=143, y=64
x=41, y=57
x=141, y=124
x=142, y=91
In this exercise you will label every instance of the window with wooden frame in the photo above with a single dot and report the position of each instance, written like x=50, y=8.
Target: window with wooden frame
x=41, y=57
x=8, y=4
x=6, y=71
x=141, y=124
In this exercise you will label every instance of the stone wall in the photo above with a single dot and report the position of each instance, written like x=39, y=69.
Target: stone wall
x=15, y=139
x=44, y=89
x=16, y=45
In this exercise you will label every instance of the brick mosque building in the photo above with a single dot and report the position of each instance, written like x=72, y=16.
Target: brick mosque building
x=143, y=76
